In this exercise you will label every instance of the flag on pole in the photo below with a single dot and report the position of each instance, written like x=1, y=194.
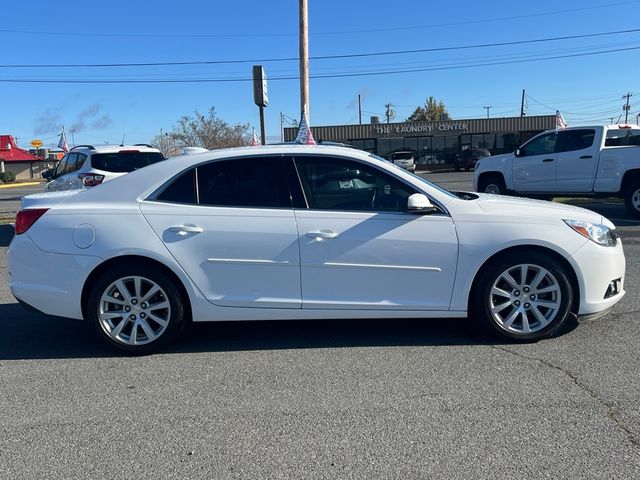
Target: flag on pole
x=304, y=132
x=561, y=124
x=62, y=143
x=254, y=139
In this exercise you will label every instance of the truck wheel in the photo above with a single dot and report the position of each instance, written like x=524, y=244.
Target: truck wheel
x=492, y=184
x=632, y=199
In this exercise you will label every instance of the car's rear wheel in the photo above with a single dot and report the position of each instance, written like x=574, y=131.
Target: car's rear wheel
x=523, y=297
x=632, y=199
x=492, y=184
x=137, y=309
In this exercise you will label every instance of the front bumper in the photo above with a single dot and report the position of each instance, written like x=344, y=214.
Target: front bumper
x=49, y=282
x=597, y=267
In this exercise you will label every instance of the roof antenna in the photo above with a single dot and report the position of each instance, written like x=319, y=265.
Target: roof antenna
x=122, y=144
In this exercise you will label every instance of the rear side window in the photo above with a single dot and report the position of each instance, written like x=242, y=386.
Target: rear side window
x=181, y=190
x=71, y=163
x=623, y=138
x=571, y=140
x=124, y=161
x=243, y=182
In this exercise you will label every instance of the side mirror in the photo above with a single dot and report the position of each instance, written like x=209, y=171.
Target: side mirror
x=518, y=152
x=47, y=174
x=419, y=203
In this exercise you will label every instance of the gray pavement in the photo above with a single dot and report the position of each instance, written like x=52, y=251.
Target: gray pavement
x=323, y=399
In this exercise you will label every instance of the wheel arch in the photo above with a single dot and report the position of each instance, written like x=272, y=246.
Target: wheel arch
x=573, y=278
x=493, y=173
x=131, y=260
x=630, y=177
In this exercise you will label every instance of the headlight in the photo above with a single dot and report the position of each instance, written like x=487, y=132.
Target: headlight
x=596, y=232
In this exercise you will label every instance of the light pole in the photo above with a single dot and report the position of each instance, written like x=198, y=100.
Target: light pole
x=304, y=59
x=73, y=139
x=487, y=109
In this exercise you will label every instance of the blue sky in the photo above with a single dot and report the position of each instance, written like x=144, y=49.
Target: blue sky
x=587, y=89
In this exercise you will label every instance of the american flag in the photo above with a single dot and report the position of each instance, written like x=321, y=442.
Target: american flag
x=254, y=139
x=561, y=124
x=304, y=132
x=62, y=143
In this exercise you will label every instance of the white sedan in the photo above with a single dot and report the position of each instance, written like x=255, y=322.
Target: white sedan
x=305, y=232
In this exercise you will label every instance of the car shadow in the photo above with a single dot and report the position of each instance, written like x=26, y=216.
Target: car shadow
x=29, y=335
x=6, y=234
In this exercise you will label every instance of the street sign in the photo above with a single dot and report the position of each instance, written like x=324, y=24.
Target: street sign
x=36, y=143
x=260, y=96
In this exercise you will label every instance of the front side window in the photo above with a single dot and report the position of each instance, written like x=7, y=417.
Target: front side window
x=243, y=182
x=542, y=145
x=572, y=140
x=340, y=184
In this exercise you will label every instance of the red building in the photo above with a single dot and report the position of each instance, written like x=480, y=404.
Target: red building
x=19, y=161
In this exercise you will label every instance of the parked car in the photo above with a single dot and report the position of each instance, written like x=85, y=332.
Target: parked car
x=599, y=161
x=468, y=158
x=305, y=232
x=87, y=166
x=404, y=159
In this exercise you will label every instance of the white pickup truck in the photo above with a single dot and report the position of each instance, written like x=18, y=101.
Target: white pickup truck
x=601, y=161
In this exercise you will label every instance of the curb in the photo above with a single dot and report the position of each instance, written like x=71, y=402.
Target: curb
x=16, y=185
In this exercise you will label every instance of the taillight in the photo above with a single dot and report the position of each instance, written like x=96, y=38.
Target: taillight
x=26, y=218
x=91, y=179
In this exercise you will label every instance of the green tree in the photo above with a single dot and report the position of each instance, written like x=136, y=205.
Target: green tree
x=432, y=111
x=208, y=131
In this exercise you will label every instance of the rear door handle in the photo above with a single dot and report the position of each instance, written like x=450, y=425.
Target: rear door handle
x=185, y=229
x=586, y=156
x=548, y=160
x=322, y=234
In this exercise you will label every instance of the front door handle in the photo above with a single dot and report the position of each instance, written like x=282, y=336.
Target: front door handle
x=548, y=160
x=322, y=234
x=586, y=156
x=185, y=229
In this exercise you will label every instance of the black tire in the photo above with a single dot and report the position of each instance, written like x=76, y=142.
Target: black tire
x=483, y=299
x=174, y=315
x=633, y=192
x=493, y=183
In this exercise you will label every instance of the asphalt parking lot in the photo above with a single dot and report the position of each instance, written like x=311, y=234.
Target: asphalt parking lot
x=324, y=399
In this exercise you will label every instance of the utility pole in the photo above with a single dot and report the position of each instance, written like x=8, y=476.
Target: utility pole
x=488, y=108
x=612, y=120
x=389, y=113
x=522, y=114
x=638, y=119
x=282, y=127
x=73, y=139
x=627, y=107
x=161, y=142
x=359, y=110
x=304, y=58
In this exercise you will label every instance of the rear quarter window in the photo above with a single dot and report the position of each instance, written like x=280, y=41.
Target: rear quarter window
x=125, y=161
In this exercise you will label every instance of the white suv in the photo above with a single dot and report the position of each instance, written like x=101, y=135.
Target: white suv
x=404, y=159
x=87, y=166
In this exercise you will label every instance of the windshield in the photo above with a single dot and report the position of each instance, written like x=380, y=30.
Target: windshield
x=423, y=180
x=124, y=161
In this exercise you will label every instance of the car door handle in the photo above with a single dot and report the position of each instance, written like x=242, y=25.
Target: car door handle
x=322, y=234
x=185, y=229
x=548, y=160
x=586, y=156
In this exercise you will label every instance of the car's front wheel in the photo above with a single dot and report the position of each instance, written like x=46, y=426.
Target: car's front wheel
x=632, y=199
x=136, y=308
x=523, y=297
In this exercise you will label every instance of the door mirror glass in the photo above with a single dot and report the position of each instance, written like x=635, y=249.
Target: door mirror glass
x=47, y=174
x=419, y=203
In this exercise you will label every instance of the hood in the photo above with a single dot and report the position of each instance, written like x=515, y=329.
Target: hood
x=525, y=208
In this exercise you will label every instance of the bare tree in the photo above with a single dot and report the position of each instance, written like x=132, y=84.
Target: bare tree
x=207, y=131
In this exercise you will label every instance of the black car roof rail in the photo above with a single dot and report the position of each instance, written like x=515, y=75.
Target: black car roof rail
x=90, y=147
x=143, y=145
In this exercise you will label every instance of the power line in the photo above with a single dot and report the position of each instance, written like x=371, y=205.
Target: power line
x=320, y=57
x=295, y=77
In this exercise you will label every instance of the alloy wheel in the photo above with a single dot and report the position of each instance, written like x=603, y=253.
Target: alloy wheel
x=134, y=311
x=525, y=299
